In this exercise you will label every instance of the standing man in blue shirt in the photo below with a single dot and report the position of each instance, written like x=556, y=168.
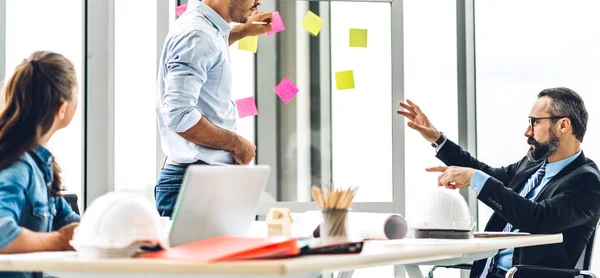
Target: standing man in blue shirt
x=196, y=116
x=553, y=189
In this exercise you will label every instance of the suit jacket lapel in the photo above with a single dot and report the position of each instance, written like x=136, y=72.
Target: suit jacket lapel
x=519, y=180
x=578, y=162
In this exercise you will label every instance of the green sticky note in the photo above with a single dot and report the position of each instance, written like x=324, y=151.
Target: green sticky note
x=312, y=23
x=344, y=80
x=249, y=43
x=358, y=37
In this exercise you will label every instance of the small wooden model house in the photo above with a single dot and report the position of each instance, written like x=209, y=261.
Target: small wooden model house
x=279, y=222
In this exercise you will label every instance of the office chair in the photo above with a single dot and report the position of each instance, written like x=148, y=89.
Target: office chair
x=72, y=201
x=542, y=270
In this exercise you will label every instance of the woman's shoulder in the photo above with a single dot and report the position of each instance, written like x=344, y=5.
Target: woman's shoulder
x=19, y=172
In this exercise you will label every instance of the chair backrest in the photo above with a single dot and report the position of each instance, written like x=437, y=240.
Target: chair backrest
x=72, y=201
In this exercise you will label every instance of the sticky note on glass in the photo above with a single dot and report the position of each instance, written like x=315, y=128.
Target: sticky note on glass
x=358, y=37
x=246, y=107
x=344, y=80
x=249, y=43
x=277, y=24
x=180, y=9
x=286, y=90
x=312, y=23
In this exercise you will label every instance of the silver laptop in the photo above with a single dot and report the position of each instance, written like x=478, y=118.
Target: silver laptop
x=217, y=201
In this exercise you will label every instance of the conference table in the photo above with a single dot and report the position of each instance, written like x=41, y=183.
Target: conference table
x=408, y=252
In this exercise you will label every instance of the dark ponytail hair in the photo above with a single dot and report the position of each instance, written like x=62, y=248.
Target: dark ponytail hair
x=34, y=94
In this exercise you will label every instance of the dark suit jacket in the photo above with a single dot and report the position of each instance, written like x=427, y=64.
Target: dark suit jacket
x=568, y=204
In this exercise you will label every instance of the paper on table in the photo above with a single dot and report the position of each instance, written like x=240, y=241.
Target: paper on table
x=312, y=23
x=380, y=225
x=344, y=80
x=249, y=43
x=277, y=24
x=499, y=234
x=179, y=10
x=246, y=107
x=358, y=37
x=370, y=225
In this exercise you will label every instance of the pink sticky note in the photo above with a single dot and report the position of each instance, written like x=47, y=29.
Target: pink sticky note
x=180, y=9
x=246, y=107
x=286, y=90
x=277, y=24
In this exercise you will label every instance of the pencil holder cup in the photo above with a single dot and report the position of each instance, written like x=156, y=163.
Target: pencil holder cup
x=334, y=228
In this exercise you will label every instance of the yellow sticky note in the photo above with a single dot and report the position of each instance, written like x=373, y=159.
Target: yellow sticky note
x=312, y=23
x=249, y=43
x=358, y=37
x=344, y=80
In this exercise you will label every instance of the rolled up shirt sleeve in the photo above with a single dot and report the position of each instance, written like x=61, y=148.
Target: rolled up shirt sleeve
x=191, y=56
x=13, y=185
x=64, y=214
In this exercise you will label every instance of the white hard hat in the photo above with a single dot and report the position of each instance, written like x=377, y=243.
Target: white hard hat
x=443, y=209
x=118, y=224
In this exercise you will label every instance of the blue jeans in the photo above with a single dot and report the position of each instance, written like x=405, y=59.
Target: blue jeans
x=167, y=188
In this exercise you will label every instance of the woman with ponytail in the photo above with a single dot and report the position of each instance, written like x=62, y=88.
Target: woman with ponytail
x=41, y=98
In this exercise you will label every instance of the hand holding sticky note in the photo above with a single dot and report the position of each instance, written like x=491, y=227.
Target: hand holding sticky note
x=358, y=37
x=276, y=23
x=286, y=90
x=344, y=80
x=246, y=107
x=312, y=23
x=249, y=43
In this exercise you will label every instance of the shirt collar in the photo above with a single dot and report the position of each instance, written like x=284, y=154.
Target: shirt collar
x=553, y=168
x=211, y=15
x=43, y=157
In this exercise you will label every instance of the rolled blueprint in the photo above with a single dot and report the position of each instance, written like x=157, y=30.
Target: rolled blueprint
x=379, y=225
x=369, y=225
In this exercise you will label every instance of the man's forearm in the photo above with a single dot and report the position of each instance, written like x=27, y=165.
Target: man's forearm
x=29, y=241
x=237, y=33
x=206, y=134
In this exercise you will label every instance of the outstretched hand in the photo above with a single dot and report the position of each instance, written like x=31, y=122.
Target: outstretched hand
x=418, y=121
x=453, y=177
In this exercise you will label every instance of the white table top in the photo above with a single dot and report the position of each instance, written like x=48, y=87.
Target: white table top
x=396, y=252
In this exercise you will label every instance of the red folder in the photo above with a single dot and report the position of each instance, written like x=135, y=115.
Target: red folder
x=227, y=248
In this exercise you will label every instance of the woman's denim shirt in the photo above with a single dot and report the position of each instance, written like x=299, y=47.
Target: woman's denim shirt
x=26, y=201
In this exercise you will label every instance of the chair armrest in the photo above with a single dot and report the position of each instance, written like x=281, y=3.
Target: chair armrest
x=458, y=266
x=541, y=270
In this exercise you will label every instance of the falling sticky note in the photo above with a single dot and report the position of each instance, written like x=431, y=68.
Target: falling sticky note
x=286, y=90
x=344, y=80
x=358, y=37
x=249, y=43
x=312, y=23
x=180, y=9
x=277, y=24
x=246, y=107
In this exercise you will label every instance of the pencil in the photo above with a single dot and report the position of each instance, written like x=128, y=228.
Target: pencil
x=259, y=22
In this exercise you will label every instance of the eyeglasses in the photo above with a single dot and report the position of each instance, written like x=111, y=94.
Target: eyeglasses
x=534, y=120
